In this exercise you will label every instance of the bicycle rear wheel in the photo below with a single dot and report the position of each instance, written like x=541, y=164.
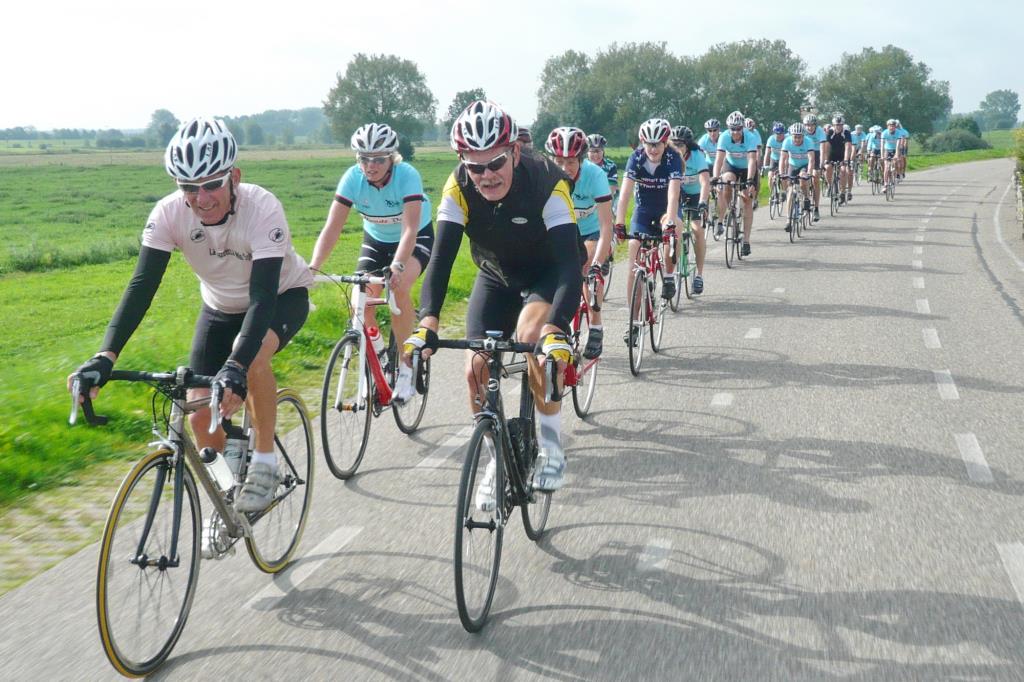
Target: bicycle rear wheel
x=478, y=533
x=276, y=530
x=656, y=308
x=586, y=369
x=637, y=320
x=346, y=408
x=409, y=414
x=143, y=593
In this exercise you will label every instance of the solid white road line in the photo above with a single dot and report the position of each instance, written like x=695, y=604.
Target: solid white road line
x=974, y=458
x=931, y=339
x=919, y=282
x=721, y=400
x=922, y=306
x=1012, y=554
x=655, y=555
x=753, y=333
x=947, y=387
x=446, y=449
x=999, y=229
x=294, y=575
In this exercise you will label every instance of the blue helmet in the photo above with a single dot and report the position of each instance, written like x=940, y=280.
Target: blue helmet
x=778, y=128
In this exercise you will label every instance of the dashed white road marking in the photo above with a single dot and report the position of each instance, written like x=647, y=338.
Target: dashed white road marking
x=919, y=282
x=931, y=339
x=1012, y=554
x=919, y=238
x=753, y=333
x=921, y=228
x=947, y=387
x=922, y=306
x=294, y=575
x=655, y=555
x=446, y=449
x=916, y=264
x=721, y=400
x=779, y=290
x=999, y=229
x=925, y=220
x=918, y=250
x=974, y=458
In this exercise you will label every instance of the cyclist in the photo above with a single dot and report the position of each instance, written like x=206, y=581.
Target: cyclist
x=653, y=174
x=773, y=149
x=817, y=137
x=796, y=158
x=857, y=135
x=708, y=144
x=840, y=153
x=695, y=186
x=873, y=149
x=397, y=230
x=890, y=145
x=595, y=153
x=903, y=148
x=751, y=125
x=517, y=211
x=254, y=289
x=737, y=153
x=592, y=199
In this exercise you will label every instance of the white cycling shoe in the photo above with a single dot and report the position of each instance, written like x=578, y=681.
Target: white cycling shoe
x=485, y=501
x=405, y=386
x=549, y=475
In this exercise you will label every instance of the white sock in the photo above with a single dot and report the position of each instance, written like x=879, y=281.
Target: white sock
x=597, y=326
x=549, y=428
x=268, y=458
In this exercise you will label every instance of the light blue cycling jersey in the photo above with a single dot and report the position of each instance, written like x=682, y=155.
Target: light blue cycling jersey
x=856, y=138
x=799, y=154
x=757, y=134
x=382, y=208
x=591, y=187
x=817, y=137
x=709, y=147
x=889, y=139
x=696, y=164
x=736, y=152
x=775, y=145
x=903, y=133
x=874, y=141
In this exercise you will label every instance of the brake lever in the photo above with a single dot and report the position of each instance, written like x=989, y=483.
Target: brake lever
x=215, y=391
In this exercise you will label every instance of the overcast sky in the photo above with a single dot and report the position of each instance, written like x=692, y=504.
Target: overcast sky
x=111, y=63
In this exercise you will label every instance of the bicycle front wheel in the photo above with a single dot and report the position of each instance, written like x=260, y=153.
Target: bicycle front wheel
x=678, y=276
x=774, y=203
x=478, y=532
x=144, y=587
x=276, y=531
x=586, y=369
x=637, y=320
x=833, y=203
x=656, y=305
x=409, y=414
x=732, y=247
x=346, y=408
x=690, y=259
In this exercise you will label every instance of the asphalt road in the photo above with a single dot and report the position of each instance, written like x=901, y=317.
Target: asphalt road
x=821, y=477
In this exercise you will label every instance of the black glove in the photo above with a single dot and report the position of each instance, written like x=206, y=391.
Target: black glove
x=424, y=337
x=95, y=371
x=702, y=206
x=596, y=270
x=232, y=375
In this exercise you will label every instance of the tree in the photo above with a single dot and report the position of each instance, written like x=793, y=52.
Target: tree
x=999, y=110
x=161, y=128
x=964, y=122
x=253, y=133
x=288, y=135
x=461, y=101
x=874, y=86
x=380, y=89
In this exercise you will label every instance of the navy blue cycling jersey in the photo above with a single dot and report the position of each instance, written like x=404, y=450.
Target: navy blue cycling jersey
x=651, y=189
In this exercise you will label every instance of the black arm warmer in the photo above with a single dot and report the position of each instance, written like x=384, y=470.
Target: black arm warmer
x=263, y=283
x=565, y=246
x=439, y=269
x=149, y=270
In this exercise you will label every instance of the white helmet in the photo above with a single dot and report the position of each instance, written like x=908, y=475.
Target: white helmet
x=655, y=130
x=374, y=137
x=735, y=120
x=797, y=129
x=810, y=120
x=483, y=125
x=202, y=147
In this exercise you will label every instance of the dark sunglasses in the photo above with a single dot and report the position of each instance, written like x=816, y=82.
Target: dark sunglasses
x=494, y=165
x=208, y=186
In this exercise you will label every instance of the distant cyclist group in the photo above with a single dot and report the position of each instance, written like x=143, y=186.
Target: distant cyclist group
x=540, y=228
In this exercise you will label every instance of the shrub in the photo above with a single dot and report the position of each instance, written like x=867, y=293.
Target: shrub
x=405, y=148
x=964, y=122
x=956, y=141
x=1018, y=136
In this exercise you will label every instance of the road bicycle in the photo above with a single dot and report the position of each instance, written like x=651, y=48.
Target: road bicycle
x=357, y=387
x=683, y=254
x=875, y=177
x=710, y=229
x=734, y=222
x=646, y=307
x=835, y=194
x=580, y=376
x=777, y=197
x=799, y=212
x=889, y=184
x=510, y=445
x=155, y=534
x=857, y=168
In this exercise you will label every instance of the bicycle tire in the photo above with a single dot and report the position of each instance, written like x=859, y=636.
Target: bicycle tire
x=586, y=369
x=345, y=417
x=833, y=193
x=794, y=218
x=537, y=509
x=409, y=415
x=731, y=248
x=657, y=305
x=123, y=528
x=678, y=272
x=773, y=205
x=277, y=530
x=690, y=258
x=637, y=320
x=474, y=605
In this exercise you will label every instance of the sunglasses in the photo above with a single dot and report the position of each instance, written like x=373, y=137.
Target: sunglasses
x=375, y=160
x=209, y=186
x=653, y=145
x=736, y=129
x=494, y=165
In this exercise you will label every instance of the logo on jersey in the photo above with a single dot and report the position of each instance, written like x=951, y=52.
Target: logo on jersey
x=150, y=226
x=276, y=235
x=197, y=235
x=518, y=220
x=392, y=204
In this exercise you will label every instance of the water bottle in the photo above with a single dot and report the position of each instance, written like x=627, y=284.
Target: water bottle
x=219, y=470
x=377, y=341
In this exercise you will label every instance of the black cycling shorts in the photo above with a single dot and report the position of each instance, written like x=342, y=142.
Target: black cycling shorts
x=740, y=173
x=774, y=165
x=216, y=331
x=646, y=223
x=794, y=172
x=689, y=202
x=495, y=306
x=377, y=256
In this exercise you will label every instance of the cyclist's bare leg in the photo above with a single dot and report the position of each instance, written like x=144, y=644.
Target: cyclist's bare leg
x=699, y=244
x=532, y=321
x=403, y=324
x=634, y=247
x=747, y=196
x=476, y=378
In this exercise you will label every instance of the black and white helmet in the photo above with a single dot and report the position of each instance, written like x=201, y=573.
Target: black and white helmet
x=483, y=125
x=202, y=147
x=374, y=137
x=596, y=141
x=712, y=124
x=735, y=120
x=810, y=120
x=655, y=130
x=838, y=119
x=682, y=135
x=797, y=129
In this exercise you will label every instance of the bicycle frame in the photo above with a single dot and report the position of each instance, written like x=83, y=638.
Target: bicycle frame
x=648, y=260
